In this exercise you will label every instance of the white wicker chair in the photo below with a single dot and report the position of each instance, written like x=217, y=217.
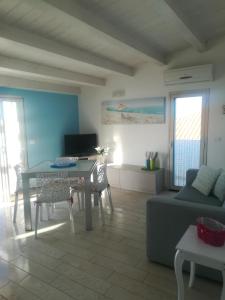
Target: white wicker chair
x=96, y=188
x=19, y=188
x=18, y=169
x=73, y=180
x=55, y=187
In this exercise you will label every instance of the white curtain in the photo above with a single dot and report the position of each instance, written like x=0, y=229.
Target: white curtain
x=4, y=167
x=12, y=143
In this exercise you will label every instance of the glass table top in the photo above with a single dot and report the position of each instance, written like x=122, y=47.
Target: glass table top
x=45, y=166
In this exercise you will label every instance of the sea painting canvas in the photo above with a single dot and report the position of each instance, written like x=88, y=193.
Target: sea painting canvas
x=134, y=111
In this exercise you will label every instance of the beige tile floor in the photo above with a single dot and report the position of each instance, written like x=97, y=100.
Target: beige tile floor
x=106, y=263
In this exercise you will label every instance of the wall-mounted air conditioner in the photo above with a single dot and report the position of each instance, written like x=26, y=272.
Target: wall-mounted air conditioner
x=188, y=75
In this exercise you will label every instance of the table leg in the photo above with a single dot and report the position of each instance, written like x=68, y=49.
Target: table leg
x=192, y=275
x=88, y=213
x=27, y=206
x=95, y=179
x=82, y=200
x=178, y=263
x=223, y=289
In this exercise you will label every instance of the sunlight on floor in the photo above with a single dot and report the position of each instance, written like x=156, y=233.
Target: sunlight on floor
x=43, y=230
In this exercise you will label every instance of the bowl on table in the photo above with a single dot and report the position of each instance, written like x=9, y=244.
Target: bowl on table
x=64, y=162
x=211, y=231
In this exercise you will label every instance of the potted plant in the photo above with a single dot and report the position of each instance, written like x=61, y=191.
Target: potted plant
x=150, y=160
x=102, y=153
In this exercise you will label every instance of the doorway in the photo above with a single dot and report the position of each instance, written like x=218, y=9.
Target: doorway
x=12, y=143
x=188, y=134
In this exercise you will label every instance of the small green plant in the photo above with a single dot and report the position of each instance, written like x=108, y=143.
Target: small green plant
x=102, y=151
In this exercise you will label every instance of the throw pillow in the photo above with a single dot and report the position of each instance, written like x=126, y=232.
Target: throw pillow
x=219, y=189
x=205, y=179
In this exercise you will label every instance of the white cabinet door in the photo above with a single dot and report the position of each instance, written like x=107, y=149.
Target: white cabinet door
x=137, y=181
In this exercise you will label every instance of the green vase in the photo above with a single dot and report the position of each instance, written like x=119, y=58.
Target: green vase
x=152, y=164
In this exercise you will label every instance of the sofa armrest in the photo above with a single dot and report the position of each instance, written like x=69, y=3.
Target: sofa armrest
x=168, y=219
x=190, y=176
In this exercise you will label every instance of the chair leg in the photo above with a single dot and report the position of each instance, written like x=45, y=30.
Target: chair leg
x=71, y=215
x=78, y=199
x=41, y=213
x=82, y=200
x=101, y=209
x=15, y=207
x=36, y=219
x=110, y=198
x=48, y=210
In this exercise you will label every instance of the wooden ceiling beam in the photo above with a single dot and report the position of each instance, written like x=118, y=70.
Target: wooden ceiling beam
x=22, y=83
x=17, y=37
x=45, y=72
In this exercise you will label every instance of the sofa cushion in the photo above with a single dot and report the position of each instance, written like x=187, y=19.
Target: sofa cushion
x=205, y=180
x=219, y=188
x=190, y=194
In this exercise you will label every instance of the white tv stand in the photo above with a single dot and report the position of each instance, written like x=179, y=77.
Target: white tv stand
x=131, y=177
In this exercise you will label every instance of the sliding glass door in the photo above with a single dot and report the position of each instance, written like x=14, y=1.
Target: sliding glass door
x=188, y=138
x=12, y=143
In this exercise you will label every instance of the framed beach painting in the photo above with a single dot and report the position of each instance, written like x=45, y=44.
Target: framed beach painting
x=134, y=111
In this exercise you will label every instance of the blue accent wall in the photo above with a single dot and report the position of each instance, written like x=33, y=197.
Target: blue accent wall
x=48, y=116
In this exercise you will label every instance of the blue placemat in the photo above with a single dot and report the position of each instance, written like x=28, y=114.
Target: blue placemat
x=70, y=165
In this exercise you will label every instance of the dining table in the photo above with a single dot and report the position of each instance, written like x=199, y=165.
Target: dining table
x=83, y=168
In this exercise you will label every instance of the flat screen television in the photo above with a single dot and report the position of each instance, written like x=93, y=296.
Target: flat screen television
x=80, y=144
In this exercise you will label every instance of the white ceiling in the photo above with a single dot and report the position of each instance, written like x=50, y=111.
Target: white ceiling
x=99, y=37
x=148, y=19
x=207, y=16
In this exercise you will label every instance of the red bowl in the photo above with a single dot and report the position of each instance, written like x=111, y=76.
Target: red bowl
x=211, y=231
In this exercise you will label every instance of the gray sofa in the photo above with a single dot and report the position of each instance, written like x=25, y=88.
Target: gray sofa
x=168, y=219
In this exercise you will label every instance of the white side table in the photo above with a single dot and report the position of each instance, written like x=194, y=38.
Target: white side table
x=192, y=249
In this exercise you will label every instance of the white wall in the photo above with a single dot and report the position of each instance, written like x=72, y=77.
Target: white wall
x=135, y=140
